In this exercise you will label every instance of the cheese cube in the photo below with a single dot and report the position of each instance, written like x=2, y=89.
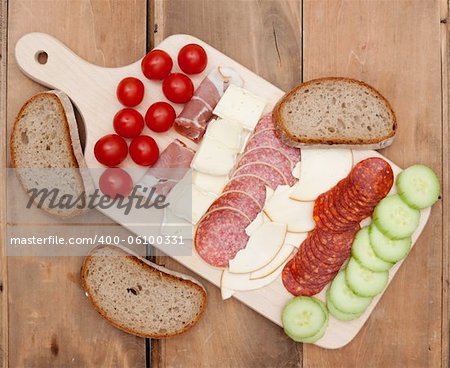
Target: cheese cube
x=240, y=105
x=227, y=132
x=213, y=158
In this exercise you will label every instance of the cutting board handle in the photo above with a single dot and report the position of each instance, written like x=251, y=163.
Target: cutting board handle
x=49, y=62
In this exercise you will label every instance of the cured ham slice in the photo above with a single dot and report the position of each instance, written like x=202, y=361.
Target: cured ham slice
x=193, y=119
x=170, y=168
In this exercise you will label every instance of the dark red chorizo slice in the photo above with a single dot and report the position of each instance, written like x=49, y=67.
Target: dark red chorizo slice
x=271, y=156
x=330, y=256
x=253, y=185
x=220, y=235
x=327, y=216
x=373, y=178
x=337, y=242
x=305, y=278
x=238, y=200
x=293, y=286
x=265, y=171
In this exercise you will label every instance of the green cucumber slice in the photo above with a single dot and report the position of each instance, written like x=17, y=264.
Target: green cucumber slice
x=304, y=317
x=418, y=186
x=394, y=218
x=387, y=249
x=318, y=335
x=363, y=252
x=344, y=299
x=363, y=281
x=336, y=313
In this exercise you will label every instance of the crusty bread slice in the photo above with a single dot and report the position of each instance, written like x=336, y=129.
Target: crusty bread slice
x=140, y=297
x=46, y=150
x=335, y=111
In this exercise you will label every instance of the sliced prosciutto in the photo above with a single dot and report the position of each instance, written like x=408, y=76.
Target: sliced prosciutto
x=170, y=168
x=193, y=119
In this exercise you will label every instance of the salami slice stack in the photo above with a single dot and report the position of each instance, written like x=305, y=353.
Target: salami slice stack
x=337, y=214
x=266, y=161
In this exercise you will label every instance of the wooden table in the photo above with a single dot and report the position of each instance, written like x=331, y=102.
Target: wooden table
x=399, y=46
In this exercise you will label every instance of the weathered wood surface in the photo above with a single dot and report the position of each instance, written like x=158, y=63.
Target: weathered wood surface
x=380, y=43
x=51, y=323
x=399, y=46
x=230, y=334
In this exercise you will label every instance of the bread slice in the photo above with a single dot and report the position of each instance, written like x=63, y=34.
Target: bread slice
x=46, y=151
x=335, y=111
x=140, y=297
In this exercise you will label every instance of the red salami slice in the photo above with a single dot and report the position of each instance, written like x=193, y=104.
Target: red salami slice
x=268, y=138
x=220, y=235
x=238, y=200
x=264, y=123
x=268, y=173
x=271, y=156
x=250, y=184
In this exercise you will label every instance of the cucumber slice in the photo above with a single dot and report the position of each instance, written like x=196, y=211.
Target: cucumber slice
x=336, y=313
x=418, y=186
x=387, y=249
x=363, y=281
x=344, y=299
x=319, y=334
x=363, y=252
x=394, y=218
x=304, y=317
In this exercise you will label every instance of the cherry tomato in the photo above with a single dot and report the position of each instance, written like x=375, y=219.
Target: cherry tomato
x=130, y=91
x=111, y=150
x=160, y=117
x=144, y=150
x=128, y=123
x=157, y=64
x=115, y=182
x=192, y=59
x=178, y=88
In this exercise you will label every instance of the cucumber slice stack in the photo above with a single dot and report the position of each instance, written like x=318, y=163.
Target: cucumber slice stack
x=378, y=247
x=305, y=319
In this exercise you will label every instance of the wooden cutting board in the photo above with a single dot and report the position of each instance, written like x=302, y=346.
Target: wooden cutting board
x=92, y=90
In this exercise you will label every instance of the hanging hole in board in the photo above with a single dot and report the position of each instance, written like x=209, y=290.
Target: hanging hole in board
x=41, y=57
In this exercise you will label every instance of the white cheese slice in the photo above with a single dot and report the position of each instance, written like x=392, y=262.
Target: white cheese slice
x=172, y=225
x=240, y=105
x=296, y=170
x=226, y=293
x=281, y=257
x=227, y=132
x=295, y=239
x=209, y=183
x=255, y=224
x=242, y=282
x=200, y=203
x=297, y=215
x=320, y=170
x=213, y=158
x=180, y=198
x=262, y=247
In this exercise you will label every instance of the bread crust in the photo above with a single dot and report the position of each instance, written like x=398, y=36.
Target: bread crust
x=76, y=157
x=290, y=139
x=148, y=266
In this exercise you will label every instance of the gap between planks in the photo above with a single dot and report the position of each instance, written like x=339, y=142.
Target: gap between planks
x=3, y=94
x=445, y=81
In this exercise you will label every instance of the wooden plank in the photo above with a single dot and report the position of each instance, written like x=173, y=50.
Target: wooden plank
x=377, y=41
x=445, y=61
x=51, y=322
x=230, y=334
x=3, y=263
